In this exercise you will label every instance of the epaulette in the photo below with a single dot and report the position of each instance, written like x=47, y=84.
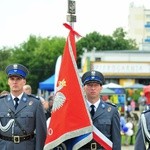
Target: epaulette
x=34, y=96
x=145, y=111
x=2, y=96
x=112, y=104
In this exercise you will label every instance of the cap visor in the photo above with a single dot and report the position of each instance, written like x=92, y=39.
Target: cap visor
x=93, y=81
x=15, y=75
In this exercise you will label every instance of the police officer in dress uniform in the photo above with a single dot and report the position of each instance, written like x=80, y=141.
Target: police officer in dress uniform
x=106, y=117
x=142, y=139
x=21, y=115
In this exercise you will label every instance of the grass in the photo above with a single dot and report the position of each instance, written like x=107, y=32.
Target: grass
x=127, y=140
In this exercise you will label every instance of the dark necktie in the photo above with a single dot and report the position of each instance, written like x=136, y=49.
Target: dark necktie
x=92, y=110
x=16, y=99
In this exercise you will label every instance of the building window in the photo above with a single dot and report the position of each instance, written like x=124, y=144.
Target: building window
x=144, y=81
x=97, y=59
x=147, y=25
x=148, y=16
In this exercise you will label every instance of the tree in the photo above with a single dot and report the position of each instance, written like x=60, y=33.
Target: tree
x=119, y=33
x=95, y=39
x=4, y=61
x=39, y=55
x=102, y=42
x=121, y=43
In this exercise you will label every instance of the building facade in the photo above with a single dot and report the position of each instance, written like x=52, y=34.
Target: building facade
x=125, y=67
x=139, y=26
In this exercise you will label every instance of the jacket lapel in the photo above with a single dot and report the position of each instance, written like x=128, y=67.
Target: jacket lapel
x=9, y=103
x=23, y=103
x=100, y=109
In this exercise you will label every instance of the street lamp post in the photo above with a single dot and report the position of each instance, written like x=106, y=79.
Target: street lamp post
x=71, y=17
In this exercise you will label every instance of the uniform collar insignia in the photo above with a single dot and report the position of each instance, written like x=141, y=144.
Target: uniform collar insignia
x=103, y=106
x=24, y=99
x=8, y=98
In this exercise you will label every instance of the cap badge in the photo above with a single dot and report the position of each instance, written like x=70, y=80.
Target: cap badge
x=93, y=73
x=15, y=66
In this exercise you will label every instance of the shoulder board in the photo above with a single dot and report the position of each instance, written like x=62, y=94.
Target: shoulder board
x=33, y=96
x=112, y=104
x=146, y=111
x=2, y=96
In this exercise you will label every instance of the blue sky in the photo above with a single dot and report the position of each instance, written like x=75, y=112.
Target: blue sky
x=21, y=18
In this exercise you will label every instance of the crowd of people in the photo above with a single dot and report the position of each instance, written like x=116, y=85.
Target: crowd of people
x=23, y=115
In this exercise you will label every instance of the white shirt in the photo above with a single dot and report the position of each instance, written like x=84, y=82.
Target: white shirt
x=17, y=97
x=95, y=104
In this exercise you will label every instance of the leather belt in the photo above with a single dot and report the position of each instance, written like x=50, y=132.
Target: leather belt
x=17, y=139
x=92, y=146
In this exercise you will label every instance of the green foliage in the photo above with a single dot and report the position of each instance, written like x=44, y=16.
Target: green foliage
x=133, y=94
x=102, y=42
x=95, y=40
x=121, y=43
x=39, y=55
x=3, y=82
x=136, y=95
x=4, y=60
x=119, y=33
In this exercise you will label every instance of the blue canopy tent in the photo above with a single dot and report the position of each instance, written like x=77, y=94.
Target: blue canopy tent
x=48, y=84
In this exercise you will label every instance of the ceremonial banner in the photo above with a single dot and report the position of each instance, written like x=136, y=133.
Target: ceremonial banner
x=57, y=68
x=102, y=139
x=70, y=122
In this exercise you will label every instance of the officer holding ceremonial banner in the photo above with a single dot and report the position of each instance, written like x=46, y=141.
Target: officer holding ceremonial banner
x=105, y=115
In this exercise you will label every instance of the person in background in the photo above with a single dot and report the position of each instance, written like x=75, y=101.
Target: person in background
x=50, y=100
x=28, y=90
x=142, y=102
x=133, y=105
x=106, y=98
x=21, y=115
x=105, y=115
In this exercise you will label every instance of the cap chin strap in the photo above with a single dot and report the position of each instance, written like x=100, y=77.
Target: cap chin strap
x=93, y=81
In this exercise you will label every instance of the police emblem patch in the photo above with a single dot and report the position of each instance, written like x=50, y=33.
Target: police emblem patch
x=109, y=109
x=30, y=103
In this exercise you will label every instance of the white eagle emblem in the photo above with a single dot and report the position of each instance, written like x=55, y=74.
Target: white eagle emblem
x=60, y=98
